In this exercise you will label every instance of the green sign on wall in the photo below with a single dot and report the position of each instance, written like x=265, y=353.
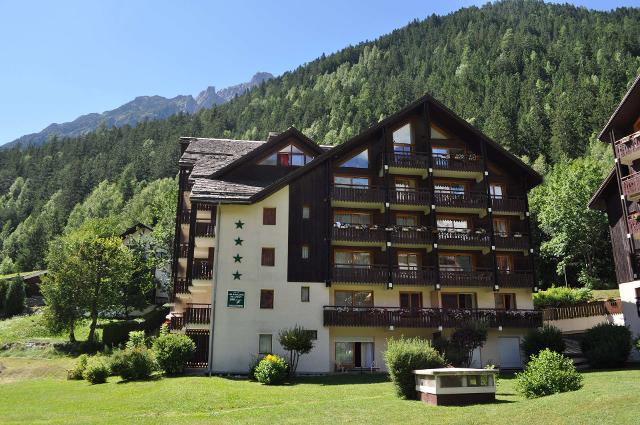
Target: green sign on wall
x=235, y=299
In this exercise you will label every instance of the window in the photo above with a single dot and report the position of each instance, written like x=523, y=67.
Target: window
x=455, y=262
x=403, y=139
x=360, y=160
x=453, y=300
x=306, y=211
x=453, y=223
x=354, y=354
x=305, y=252
x=501, y=227
x=454, y=189
x=351, y=181
x=264, y=344
x=437, y=133
x=313, y=334
x=411, y=300
x=287, y=157
x=268, y=257
x=405, y=184
x=504, y=263
x=304, y=294
x=354, y=298
x=269, y=216
x=266, y=298
x=349, y=217
x=505, y=301
x=496, y=190
x=360, y=259
x=408, y=260
x=406, y=220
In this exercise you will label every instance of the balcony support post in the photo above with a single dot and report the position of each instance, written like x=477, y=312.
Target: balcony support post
x=387, y=199
x=532, y=253
x=182, y=180
x=489, y=203
x=192, y=237
x=623, y=202
x=433, y=219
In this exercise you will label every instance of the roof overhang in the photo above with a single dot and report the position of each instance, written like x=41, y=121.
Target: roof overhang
x=626, y=112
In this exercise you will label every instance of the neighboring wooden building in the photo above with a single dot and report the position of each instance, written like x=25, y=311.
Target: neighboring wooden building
x=413, y=227
x=619, y=195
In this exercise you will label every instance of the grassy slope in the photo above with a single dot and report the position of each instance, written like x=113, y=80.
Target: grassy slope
x=607, y=398
x=604, y=294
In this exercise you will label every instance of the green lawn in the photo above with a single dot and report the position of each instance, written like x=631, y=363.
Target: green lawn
x=34, y=391
x=605, y=294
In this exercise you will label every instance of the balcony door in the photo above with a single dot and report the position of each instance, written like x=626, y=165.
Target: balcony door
x=455, y=262
x=352, y=218
x=407, y=220
x=353, y=298
x=501, y=227
x=453, y=225
x=356, y=182
x=353, y=259
x=409, y=260
x=450, y=189
x=497, y=190
x=465, y=301
x=504, y=263
x=411, y=300
x=351, y=354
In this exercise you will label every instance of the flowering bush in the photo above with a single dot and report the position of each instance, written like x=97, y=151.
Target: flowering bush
x=272, y=370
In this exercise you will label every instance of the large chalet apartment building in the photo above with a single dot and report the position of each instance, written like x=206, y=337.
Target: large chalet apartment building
x=409, y=229
x=619, y=197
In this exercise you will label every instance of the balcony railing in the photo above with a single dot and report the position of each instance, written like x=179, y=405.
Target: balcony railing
x=201, y=270
x=631, y=184
x=408, y=160
x=357, y=193
x=181, y=286
x=478, y=277
x=183, y=250
x=358, y=233
x=412, y=235
x=634, y=223
x=463, y=237
x=458, y=162
x=512, y=241
x=428, y=317
x=455, y=199
x=418, y=276
x=205, y=230
x=516, y=204
x=515, y=279
x=198, y=314
x=404, y=196
x=356, y=273
x=177, y=322
x=185, y=216
x=628, y=145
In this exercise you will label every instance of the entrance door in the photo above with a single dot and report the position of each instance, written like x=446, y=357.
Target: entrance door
x=509, y=352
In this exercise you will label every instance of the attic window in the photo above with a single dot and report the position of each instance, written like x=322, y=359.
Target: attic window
x=360, y=160
x=289, y=156
x=437, y=133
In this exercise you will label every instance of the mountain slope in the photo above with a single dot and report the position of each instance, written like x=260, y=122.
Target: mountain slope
x=539, y=78
x=142, y=108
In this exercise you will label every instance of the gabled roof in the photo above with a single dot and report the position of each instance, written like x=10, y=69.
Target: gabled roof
x=597, y=202
x=207, y=155
x=626, y=112
x=533, y=177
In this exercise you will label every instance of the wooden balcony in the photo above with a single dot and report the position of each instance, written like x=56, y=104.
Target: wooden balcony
x=201, y=270
x=463, y=238
x=181, y=286
x=428, y=317
x=355, y=273
x=411, y=236
x=177, y=322
x=478, y=277
x=358, y=235
x=628, y=148
x=634, y=223
x=205, y=230
x=407, y=163
x=516, y=279
x=185, y=216
x=357, y=196
x=417, y=276
x=197, y=314
x=183, y=250
x=410, y=199
x=511, y=205
x=631, y=186
x=452, y=201
x=458, y=165
x=512, y=242
x=595, y=308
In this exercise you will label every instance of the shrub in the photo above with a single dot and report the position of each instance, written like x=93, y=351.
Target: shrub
x=405, y=355
x=637, y=343
x=97, y=370
x=606, y=345
x=153, y=320
x=561, y=296
x=173, y=351
x=538, y=339
x=297, y=341
x=548, y=373
x=14, y=297
x=136, y=364
x=4, y=284
x=137, y=339
x=252, y=367
x=117, y=333
x=78, y=370
x=271, y=370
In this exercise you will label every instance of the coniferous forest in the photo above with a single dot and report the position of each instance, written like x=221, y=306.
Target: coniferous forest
x=541, y=79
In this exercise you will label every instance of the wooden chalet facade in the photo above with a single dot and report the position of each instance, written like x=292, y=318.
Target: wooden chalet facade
x=413, y=227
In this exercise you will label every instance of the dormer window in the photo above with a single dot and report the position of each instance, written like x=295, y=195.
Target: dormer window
x=360, y=160
x=289, y=156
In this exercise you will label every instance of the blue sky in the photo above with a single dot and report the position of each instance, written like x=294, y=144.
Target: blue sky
x=60, y=59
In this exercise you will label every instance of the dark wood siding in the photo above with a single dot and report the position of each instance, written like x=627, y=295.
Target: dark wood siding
x=311, y=190
x=619, y=244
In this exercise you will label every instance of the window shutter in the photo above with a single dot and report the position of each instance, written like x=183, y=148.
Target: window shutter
x=269, y=216
x=404, y=300
x=499, y=301
x=268, y=257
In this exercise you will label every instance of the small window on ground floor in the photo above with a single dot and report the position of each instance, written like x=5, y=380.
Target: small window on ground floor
x=304, y=294
x=264, y=344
